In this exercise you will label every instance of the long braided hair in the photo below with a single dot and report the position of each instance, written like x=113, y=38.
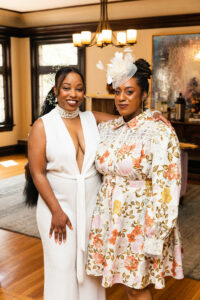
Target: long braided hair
x=30, y=191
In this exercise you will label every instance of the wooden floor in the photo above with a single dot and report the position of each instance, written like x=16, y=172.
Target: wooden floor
x=21, y=266
x=6, y=172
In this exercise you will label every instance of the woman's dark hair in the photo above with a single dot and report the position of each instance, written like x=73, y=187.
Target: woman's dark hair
x=30, y=191
x=143, y=74
x=50, y=101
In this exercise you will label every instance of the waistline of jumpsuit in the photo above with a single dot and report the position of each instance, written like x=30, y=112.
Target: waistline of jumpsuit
x=80, y=216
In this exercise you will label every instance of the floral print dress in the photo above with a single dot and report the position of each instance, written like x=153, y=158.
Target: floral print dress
x=134, y=237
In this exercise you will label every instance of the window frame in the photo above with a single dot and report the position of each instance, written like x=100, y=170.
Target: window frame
x=5, y=70
x=36, y=69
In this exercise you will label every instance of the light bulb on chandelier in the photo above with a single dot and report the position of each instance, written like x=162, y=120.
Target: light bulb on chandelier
x=104, y=35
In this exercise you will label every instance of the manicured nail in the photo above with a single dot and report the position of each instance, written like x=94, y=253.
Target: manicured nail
x=56, y=241
x=60, y=242
x=50, y=236
x=64, y=241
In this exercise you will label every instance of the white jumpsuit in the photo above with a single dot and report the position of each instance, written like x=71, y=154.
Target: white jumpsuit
x=64, y=265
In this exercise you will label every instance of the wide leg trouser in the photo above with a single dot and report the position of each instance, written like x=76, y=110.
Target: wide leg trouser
x=60, y=276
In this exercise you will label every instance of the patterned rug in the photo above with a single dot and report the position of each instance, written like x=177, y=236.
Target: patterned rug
x=16, y=217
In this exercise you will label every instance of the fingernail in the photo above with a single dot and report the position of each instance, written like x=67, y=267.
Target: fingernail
x=50, y=236
x=64, y=241
x=60, y=242
x=56, y=241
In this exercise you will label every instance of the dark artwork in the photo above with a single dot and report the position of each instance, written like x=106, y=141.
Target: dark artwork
x=176, y=68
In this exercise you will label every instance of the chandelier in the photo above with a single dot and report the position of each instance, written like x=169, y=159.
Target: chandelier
x=104, y=35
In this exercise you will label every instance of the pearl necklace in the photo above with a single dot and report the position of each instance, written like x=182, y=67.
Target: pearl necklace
x=67, y=114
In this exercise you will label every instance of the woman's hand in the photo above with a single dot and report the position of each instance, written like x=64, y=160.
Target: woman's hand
x=58, y=225
x=159, y=117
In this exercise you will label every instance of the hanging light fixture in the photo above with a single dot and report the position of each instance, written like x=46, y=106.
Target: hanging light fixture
x=104, y=35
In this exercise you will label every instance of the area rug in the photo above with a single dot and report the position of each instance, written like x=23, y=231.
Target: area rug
x=16, y=217
x=189, y=221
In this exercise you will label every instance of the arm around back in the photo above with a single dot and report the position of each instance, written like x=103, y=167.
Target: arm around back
x=103, y=117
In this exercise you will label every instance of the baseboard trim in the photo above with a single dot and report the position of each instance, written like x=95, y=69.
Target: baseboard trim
x=12, y=149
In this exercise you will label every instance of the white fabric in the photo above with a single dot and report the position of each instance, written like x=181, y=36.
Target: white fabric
x=64, y=265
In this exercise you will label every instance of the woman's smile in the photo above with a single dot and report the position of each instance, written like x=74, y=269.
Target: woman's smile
x=72, y=102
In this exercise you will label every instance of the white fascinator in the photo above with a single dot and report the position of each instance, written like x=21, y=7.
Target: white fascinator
x=120, y=69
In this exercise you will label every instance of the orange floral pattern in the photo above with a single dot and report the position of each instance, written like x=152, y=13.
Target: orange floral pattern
x=136, y=211
x=102, y=158
x=173, y=172
x=126, y=148
x=130, y=263
x=148, y=221
x=98, y=242
x=136, y=231
x=114, y=236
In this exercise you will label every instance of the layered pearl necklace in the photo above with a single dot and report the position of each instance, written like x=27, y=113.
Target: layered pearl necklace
x=67, y=114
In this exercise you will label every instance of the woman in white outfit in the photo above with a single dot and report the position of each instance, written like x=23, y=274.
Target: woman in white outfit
x=61, y=150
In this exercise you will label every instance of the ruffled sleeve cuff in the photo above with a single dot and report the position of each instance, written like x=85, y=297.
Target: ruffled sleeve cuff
x=153, y=246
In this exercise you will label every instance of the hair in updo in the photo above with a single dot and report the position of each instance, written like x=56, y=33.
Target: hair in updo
x=143, y=74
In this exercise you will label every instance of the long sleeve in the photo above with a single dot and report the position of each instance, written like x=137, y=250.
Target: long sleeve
x=162, y=209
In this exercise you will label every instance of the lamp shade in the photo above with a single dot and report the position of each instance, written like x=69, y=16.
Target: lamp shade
x=99, y=40
x=106, y=36
x=86, y=37
x=131, y=36
x=121, y=38
x=77, y=39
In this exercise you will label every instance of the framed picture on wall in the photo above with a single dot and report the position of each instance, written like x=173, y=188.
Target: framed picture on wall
x=176, y=68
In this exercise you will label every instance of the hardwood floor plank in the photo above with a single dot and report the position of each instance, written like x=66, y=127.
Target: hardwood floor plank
x=18, y=169
x=21, y=264
x=7, y=295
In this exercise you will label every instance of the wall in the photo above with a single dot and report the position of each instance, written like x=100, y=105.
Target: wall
x=96, y=79
x=9, y=18
x=25, y=88
x=136, y=9
x=21, y=89
x=20, y=49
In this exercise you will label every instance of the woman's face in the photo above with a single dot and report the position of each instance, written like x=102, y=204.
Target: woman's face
x=71, y=92
x=128, y=99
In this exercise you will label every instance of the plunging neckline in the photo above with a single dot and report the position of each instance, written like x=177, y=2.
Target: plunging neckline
x=80, y=171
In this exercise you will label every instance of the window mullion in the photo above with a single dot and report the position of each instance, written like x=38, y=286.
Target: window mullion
x=5, y=71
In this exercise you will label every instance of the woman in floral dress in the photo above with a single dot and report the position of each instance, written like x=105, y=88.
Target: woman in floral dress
x=134, y=237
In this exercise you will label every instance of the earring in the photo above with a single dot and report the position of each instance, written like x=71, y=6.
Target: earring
x=142, y=106
x=84, y=98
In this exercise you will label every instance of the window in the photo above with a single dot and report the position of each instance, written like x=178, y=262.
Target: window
x=47, y=57
x=6, y=113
